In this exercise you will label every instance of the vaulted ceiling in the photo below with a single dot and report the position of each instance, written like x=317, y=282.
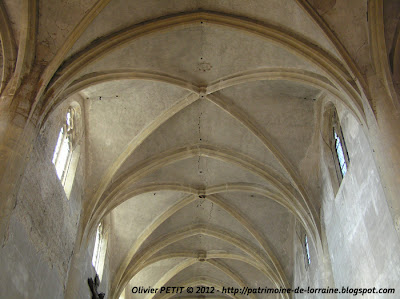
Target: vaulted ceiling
x=202, y=126
x=200, y=129
x=193, y=117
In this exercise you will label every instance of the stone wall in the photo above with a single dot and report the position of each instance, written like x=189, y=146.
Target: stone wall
x=305, y=274
x=363, y=243
x=359, y=237
x=38, y=253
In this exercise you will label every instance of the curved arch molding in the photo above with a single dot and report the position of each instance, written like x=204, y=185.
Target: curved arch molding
x=297, y=205
x=335, y=71
x=9, y=50
x=138, y=262
x=215, y=199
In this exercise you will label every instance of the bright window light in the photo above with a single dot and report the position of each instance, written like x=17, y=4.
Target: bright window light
x=307, y=248
x=63, y=150
x=97, y=249
x=340, y=154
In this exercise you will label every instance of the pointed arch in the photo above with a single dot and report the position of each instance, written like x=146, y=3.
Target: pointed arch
x=304, y=77
x=66, y=47
x=184, y=202
x=299, y=46
x=191, y=261
x=379, y=50
x=209, y=256
x=137, y=261
x=148, y=231
x=350, y=64
x=134, y=174
x=273, y=148
x=9, y=50
x=171, y=273
x=23, y=62
x=139, y=139
x=265, y=74
x=230, y=272
x=27, y=41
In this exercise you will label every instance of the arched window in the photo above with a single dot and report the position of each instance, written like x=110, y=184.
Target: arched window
x=307, y=251
x=99, y=250
x=67, y=150
x=339, y=149
x=335, y=153
x=340, y=153
x=97, y=247
x=64, y=147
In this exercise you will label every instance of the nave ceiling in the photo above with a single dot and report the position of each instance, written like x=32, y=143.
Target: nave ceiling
x=202, y=124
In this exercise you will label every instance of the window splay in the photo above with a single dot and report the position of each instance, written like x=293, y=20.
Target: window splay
x=63, y=150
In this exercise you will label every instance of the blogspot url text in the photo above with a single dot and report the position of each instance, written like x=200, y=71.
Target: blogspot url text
x=248, y=291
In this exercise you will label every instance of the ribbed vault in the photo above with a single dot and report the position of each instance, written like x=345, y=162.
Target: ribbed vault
x=203, y=141
x=200, y=119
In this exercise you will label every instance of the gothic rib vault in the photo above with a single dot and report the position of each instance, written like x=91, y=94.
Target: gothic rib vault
x=180, y=149
x=202, y=123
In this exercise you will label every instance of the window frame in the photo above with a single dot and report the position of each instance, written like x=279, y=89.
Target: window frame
x=67, y=136
x=307, y=255
x=100, y=249
x=341, y=143
x=70, y=130
x=98, y=244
